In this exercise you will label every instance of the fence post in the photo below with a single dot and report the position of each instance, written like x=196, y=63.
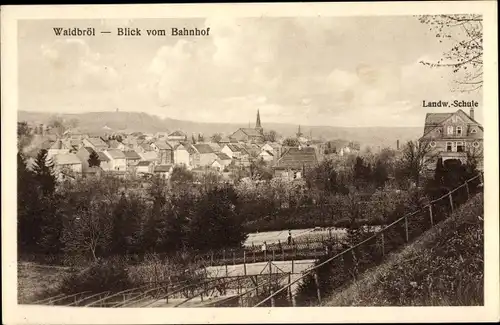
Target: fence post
x=253, y=253
x=211, y=258
x=451, y=202
x=244, y=262
x=290, y=295
x=467, y=188
x=282, y=253
x=406, y=228
x=234, y=262
x=292, y=263
x=430, y=214
x=273, y=253
x=316, y=280
x=224, y=255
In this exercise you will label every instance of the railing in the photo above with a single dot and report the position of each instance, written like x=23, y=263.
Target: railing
x=380, y=233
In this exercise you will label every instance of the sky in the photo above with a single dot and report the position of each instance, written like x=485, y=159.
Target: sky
x=337, y=71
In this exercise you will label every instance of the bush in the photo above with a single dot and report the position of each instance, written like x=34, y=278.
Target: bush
x=101, y=276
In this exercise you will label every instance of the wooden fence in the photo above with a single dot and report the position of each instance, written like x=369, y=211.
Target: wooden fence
x=408, y=227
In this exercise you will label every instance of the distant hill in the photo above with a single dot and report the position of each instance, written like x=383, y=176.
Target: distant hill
x=135, y=121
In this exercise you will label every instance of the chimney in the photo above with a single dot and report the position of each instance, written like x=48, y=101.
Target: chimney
x=471, y=113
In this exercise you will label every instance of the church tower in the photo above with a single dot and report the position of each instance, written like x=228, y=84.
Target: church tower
x=258, y=126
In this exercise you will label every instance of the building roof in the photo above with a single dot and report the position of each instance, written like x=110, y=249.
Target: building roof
x=66, y=159
x=130, y=154
x=58, y=144
x=222, y=156
x=162, y=145
x=144, y=163
x=297, y=157
x=145, y=146
x=115, y=154
x=102, y=156
x=203, y=148
x=88, y=149
x=177, y=134
x=266, y=152
x=97, y=142
x=251, y=132
x=189, y=147
x=233, y=147
x=162, y=168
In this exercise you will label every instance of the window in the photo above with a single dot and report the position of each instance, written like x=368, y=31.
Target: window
x=459, y=130
x=473, y=131
x=475, y=144
x=460, y=147
x=433, y=144
x=450, y=129
x=449, y=146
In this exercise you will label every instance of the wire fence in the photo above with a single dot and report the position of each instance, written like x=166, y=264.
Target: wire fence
x=349, y=263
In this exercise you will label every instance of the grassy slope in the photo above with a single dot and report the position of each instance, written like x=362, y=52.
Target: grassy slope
x=444, y=267
x=38, y=281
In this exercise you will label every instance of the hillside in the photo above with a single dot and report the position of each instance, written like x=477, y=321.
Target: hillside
x=444, y=267
x=135, y=121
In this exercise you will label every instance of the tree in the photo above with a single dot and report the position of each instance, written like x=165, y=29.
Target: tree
x=270, y=136
x=380, y=174
x=259, y=170
x=291, y=142
x=181, y=175
x=201, y=138
x=43, y=170
x=216, y=137
x=24, y=135
x=216, y=223
x=57, y=124
x=412, y=162
x=193, y=139
x=28, y=221
x=94, y=160
x=89, y=229
x=465, y=56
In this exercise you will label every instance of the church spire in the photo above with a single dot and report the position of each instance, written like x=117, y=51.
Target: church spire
x=258, y=126
x=257, y=123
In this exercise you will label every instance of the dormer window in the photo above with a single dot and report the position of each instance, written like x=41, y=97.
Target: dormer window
x=449, y=130
x=459, y=130
x=473, y=131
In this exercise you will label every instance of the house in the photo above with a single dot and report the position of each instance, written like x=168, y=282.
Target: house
x=247, y=135
x=164, y=151
x=164, y=171
x=274, y=148
x=95, y=143
x=131, y=158
x=204, y=154
x=144, y=167
x=223, y=159
x=452, y=136
x=266, y=155
x=105, y=161
x=67, y=162
x=216, y=165
x=232, y=150
x=58, y=147
x=295, y=161
x=178, y=136
x=117, y=160
x=181, y=155
x=84, y=154
x=115, y=144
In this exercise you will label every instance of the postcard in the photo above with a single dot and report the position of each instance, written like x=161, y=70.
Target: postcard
x=246, y=163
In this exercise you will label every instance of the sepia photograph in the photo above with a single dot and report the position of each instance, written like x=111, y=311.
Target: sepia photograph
x=251, y=161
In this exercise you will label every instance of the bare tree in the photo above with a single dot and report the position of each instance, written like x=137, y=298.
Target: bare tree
x=90, y=230
x=413, y=159
x=465, y=56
